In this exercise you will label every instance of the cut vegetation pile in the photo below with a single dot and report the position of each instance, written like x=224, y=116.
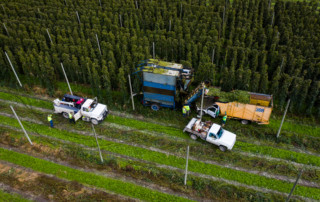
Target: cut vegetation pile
x=235, y=95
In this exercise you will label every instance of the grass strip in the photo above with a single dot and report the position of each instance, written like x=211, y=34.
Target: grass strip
x=117, y=186
x=157, y=157
x=141, y=125
x=295, y=128
x=4, y=196
x=243, y=146
x=26, y=100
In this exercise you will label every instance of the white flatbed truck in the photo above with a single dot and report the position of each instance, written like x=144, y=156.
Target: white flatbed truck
x=89, y=109
x=212, y=133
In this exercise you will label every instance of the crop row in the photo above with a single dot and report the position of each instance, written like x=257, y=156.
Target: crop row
x=4, y=196
x=265, y=150
x=198, y=149
x=117, y=186
x=243, y=146
x=195, y=166
x=172, y=179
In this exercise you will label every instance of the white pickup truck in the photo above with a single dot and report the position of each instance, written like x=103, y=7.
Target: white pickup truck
x=88, y=109
x=212, y=133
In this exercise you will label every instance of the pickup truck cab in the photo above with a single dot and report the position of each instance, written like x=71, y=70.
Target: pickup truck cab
x=212, y=133
x=212, y=110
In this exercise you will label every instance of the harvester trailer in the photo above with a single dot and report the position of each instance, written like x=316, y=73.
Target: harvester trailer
x=89, y=109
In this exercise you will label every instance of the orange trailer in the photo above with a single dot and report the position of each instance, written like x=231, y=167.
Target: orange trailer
x=246, y=112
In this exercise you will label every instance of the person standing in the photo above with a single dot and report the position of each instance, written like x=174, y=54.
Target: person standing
x=71, y=118
x=224, y=119
x=50, y=120
x=184, y=111
x=188, y=110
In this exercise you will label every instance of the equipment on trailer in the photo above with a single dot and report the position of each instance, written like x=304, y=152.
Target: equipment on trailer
x=89, y=109
x=163, y=82
x=211, y=132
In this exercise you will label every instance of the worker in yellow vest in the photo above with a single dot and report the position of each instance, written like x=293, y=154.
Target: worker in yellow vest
x=71, y=119
x=184, y=111
x=188, y=109
x=50, y=120
x=224, y=119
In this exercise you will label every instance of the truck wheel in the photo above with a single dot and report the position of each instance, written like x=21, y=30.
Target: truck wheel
x=65, y=115
x=193, y=136
x=155, y=107
x=244, y=122
x=222, y=148
x=94, y=121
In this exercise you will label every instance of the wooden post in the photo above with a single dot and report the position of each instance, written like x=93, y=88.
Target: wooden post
x=66, y=78
x=153, y=47
x=281, y=63
x=14, y=71
x=100, y=3
x=49, y=35
x=65, y=1
x=6, y=29
x=98, y=44
x=284, y=116
x=212, y=59
x=131, y=92
x=120, y=20
x=169, y=25
x=4, y=11
x=186, y=171
x=25, y=132
x=202, y=103
x=294, y=186
x=180, y=10
x=137, y=7
x=272, y=19
x=224, y=11
x=78, y=17
x=95, y=135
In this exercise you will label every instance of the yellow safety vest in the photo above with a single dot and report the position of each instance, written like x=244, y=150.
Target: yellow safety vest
x=224, y=118
x=70, y=116
x=187, y=108
x=184, y=110
x=49, y=118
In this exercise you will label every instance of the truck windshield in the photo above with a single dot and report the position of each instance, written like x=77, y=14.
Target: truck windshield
x=220, y=132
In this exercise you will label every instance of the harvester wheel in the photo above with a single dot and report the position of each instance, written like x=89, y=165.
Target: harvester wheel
x=155, y=107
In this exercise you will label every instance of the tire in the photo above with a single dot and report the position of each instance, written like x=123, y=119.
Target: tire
x=94, y=121
x=155, y=107
x=223, y=148
x=244, y=122
x=65, y=115
x=193, y=136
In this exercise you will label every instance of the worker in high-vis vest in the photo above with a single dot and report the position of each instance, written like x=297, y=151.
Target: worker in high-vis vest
x=184, y=111
x=188, y=109
x=71, y=119
x=224, y=119
x=50, y=120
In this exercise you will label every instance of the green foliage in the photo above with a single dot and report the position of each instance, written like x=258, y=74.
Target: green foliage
x=117, y=186
x=195, y=166
x=4, y=196
x=235, y=95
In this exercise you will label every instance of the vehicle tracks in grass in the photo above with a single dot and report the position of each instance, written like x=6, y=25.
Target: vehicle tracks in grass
x=106, y=174
x=261, y=173
x=294, y=149
x=19, y=176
